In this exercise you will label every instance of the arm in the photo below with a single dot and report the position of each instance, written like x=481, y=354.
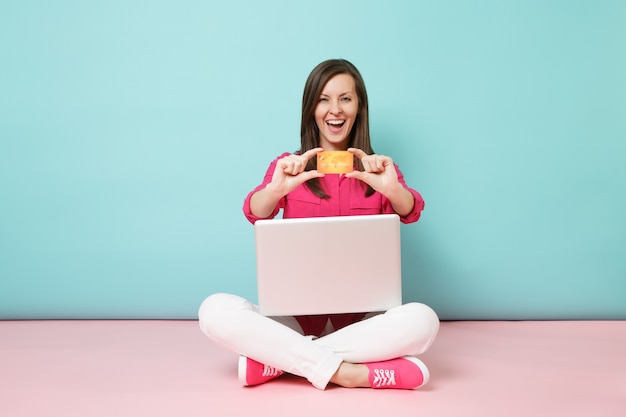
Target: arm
x=264, y=201
x=288, y=173
x=380, y=173
x=401, y=199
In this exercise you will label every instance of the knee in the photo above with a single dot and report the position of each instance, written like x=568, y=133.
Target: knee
x=421, y=321
x=422, y=312
x=216, y=313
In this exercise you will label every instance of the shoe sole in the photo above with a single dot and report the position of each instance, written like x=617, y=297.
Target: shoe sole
x=242, y=370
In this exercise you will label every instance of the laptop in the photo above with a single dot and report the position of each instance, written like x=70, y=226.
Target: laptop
x=328, y=265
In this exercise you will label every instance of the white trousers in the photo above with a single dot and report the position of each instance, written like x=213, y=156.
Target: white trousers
x=236, y=324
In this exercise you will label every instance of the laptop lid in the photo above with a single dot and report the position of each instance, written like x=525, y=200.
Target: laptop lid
x=328, y=265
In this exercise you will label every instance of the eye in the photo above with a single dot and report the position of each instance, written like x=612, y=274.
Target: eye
x=322, y=99
x=346, y=99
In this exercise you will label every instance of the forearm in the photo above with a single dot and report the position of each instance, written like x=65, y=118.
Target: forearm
x=264, y=202
x=401, y=200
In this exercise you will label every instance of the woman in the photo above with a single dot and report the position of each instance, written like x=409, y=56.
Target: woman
x=350, y=350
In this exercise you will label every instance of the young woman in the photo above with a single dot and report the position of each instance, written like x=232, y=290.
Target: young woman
x=375, y=350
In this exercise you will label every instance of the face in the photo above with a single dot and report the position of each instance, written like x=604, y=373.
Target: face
x=336, y=111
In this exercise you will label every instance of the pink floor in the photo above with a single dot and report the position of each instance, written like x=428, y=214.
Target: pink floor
x=168, y=368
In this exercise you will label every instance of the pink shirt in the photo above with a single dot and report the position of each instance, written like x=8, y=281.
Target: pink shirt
x=347, y=198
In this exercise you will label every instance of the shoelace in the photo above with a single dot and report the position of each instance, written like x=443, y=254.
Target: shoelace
x=384, y=377
x=270, y=371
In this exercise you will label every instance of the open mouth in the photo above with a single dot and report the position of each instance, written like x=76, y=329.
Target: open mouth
x=335, y=125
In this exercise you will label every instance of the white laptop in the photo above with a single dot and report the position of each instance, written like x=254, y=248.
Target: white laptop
x=328, y=265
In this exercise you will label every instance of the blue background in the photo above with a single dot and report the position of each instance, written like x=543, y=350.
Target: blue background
x=131, y=131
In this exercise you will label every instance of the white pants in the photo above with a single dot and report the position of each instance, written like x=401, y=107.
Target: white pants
x=236, y=324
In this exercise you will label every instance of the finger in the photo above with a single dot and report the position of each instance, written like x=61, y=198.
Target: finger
x=293, y=169
x=386, y=161
x=369, y=163
x=359, y=153
x=283, y=165
x=289, y=167
x=311, y=153
x=298, y=166
x=379, y=163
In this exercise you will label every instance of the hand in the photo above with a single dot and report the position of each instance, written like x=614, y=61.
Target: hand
x=379, y=172
x=290, y=173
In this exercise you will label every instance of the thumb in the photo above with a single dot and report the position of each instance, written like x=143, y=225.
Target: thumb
x=359, y=175
x=307, y=175
x=365, y=177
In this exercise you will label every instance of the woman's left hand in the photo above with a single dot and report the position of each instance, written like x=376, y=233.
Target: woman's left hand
x=379, y=172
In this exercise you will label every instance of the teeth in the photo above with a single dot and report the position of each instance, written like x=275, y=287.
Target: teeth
x=335, y=122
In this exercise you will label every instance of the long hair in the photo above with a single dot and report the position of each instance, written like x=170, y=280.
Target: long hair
x=309, y=132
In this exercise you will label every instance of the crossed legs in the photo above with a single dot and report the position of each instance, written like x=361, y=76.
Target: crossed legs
x=338, y=357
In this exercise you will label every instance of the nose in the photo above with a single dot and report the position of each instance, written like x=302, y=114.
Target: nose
x=335, y=107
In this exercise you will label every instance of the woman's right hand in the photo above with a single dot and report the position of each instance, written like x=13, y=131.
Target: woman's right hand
x=290, y=172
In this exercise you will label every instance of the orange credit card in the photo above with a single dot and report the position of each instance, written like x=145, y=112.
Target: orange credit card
x=335, y=162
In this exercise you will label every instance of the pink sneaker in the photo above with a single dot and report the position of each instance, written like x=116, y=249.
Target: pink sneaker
x=402, y=373
x=254, y=373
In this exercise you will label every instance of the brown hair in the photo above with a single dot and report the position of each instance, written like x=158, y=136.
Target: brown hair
x=309, y=132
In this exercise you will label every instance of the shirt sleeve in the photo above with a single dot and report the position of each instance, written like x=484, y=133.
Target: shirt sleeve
x=418, y=205
x=266, y=180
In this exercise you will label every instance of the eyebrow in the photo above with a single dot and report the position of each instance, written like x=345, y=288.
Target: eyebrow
x=342, y=94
